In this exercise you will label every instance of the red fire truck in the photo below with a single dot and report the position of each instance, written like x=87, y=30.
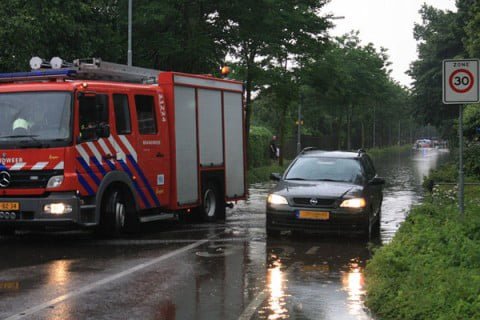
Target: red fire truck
x=103, y=145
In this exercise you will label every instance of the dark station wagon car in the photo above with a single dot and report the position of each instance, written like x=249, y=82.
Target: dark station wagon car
x=326, y=192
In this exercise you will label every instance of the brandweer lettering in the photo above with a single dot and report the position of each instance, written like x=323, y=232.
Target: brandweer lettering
x=10, y=160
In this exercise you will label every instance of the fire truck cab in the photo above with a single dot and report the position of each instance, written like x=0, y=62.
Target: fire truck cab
x=109, y=146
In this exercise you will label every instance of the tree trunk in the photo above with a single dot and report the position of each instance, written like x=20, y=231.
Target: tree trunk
x=349, y=127
x=363, y=134
x=282, y=134
x=248, y=100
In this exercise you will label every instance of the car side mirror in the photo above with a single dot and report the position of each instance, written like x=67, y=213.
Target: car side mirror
x=276, y=176
x=377, y=181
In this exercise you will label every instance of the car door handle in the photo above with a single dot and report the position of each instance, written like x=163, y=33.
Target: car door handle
x=159, y=155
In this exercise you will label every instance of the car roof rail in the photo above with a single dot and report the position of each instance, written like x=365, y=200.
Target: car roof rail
x=307, y=149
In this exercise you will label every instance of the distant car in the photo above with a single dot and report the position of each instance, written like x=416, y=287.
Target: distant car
x=326, y=191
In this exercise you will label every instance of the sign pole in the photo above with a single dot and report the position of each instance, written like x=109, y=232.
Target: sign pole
x=461, y=86
x=460, y=163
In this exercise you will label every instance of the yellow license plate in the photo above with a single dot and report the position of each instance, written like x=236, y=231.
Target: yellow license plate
x=315, y=215
x=9, y=206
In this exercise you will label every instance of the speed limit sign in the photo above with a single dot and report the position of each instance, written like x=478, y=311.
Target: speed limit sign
x=460, y=81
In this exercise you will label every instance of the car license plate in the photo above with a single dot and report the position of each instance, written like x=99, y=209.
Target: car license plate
x=315, y=215
x=9, y=206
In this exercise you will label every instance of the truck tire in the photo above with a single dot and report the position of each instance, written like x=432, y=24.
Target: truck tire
x=118, y=214
x=213, y=204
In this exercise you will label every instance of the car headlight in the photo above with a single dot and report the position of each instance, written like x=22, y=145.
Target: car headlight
x=276, y=199
x=354, y=203
x=55, y=181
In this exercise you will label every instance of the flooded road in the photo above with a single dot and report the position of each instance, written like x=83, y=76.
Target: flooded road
x=205, y=271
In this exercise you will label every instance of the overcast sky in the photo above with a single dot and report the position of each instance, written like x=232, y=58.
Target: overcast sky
x=385, y=23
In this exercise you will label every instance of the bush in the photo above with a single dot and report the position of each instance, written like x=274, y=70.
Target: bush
x=471, y=155
x=431, y=269
x=258, y=150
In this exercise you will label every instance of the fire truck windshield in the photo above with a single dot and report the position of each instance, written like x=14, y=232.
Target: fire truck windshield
x=35, y=119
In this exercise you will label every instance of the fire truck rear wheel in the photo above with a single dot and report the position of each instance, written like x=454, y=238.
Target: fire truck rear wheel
x=213, y=205
x=119, y=213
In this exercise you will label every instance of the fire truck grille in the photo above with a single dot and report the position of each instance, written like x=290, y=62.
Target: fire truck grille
x=31, y=179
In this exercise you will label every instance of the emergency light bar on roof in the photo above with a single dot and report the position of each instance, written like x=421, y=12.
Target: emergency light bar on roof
x=80, y=69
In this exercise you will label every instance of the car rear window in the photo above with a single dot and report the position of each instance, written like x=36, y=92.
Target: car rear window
x=326, y=169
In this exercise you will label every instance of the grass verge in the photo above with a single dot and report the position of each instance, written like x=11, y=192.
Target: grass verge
x=431, y=268
x=379, y=152
x=261, y=174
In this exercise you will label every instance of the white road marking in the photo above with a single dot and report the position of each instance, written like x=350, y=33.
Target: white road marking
x=94, y=285
x=312, y=250
x=259, y=299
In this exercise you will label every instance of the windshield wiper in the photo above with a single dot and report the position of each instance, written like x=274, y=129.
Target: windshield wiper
x=332, y=180
x=295, y=179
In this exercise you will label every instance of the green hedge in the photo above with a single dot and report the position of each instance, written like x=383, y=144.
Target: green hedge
x=258, y=151
x=431, y=269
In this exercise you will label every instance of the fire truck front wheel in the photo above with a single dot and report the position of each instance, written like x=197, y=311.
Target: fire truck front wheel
x=213, y=205
x=118, y=213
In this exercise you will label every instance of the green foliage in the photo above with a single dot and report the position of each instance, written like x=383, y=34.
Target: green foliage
x=439, y=37
x=471, y=159
x=48, y=28
x=445, y=173
x=377, y=153
x=471, y=121
x=258, y=149
x=431, y=268
x=262, y=174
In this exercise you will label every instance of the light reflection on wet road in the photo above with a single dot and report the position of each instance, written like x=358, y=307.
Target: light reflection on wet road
x=209, y=271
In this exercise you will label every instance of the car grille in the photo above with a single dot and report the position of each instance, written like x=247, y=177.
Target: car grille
x=31, y=179
x=321, y=203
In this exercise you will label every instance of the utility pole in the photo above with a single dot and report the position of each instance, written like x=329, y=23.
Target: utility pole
x=129, y=51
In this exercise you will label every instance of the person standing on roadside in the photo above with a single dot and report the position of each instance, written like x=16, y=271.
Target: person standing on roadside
x=273, y=149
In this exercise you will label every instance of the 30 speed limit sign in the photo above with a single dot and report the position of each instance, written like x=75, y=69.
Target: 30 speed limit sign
x=460, y=81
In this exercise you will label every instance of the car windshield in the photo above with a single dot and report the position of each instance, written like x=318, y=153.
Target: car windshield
x=35, y=119
x=326, y=169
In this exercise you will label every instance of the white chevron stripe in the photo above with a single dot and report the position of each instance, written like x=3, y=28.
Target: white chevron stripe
x=105, y=148
x=83, y=153
x=59, y=166
x=129, y=147
x=17, y=166
x=39, y=165
x=120, y=154
x=95, y=151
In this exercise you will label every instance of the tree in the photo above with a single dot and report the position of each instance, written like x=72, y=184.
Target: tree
x=69, y=29
x=258, y=32
x=439, y=37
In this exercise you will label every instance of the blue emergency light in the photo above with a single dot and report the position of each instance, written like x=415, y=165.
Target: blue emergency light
x=37, y=75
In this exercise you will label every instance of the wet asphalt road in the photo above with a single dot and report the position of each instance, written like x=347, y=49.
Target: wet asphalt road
x=205, y=271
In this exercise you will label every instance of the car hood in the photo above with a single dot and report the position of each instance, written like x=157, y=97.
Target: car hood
x=323, y=189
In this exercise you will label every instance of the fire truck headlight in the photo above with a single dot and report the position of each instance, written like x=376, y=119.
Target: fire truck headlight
x=55, y=181
x=57, y=208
